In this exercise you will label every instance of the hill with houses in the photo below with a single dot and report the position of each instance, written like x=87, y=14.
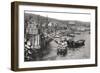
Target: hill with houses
x=52, y=23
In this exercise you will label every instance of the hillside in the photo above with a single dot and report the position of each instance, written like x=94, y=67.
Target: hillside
x=61, y=24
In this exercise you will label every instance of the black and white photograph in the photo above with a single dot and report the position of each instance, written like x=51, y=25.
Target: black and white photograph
x=51, y=35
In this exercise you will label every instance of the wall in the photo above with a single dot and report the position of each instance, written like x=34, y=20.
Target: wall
x=5, y=31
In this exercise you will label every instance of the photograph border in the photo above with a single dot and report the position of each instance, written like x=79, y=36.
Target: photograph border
x=15, y=34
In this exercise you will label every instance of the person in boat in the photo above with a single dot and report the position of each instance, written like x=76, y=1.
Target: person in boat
x=62, y=48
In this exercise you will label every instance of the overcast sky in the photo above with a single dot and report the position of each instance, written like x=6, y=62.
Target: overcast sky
x=64, y=15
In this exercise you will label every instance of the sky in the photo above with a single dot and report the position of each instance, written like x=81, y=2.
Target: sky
x=63, y=15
